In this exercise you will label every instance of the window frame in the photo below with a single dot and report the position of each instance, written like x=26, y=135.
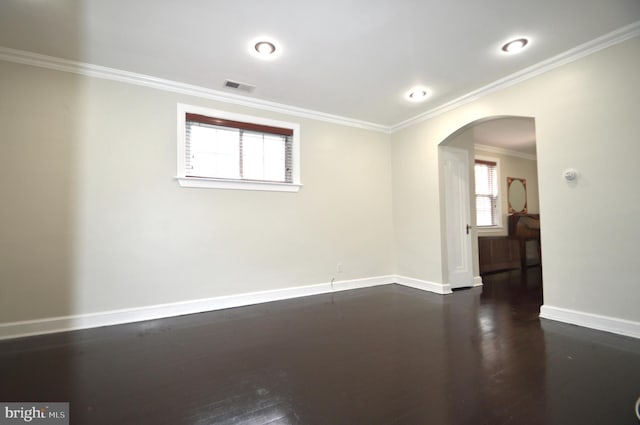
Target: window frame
x=499, y=218
x=184, y=180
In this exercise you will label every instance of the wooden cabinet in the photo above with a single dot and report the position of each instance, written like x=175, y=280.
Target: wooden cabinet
x=498, y=253
x=503, y=253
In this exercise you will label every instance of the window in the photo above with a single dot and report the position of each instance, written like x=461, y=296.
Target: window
x=218, y=149
x=487, y=205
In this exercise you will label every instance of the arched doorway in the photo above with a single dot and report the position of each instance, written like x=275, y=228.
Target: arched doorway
x=509, y=143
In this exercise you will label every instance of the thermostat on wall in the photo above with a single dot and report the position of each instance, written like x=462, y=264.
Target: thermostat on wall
x=570, y=174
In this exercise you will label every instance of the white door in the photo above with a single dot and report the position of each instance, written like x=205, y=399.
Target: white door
x=458, y=217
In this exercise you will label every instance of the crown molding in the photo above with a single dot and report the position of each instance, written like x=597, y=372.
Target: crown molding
x=90, y=70
x=585, y=49
x=97, y=71
x=502, y=151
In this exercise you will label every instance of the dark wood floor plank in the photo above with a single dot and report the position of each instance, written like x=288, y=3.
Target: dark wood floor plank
x=385, y=355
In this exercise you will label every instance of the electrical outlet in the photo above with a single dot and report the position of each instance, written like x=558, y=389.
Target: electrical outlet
x=339, y=268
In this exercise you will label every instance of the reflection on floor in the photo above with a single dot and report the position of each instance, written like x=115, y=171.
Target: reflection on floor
x=518, y=291
x=384, y=355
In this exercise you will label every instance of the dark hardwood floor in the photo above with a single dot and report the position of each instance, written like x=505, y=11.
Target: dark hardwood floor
x=385, y=355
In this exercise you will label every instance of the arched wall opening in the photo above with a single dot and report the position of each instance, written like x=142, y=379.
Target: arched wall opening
x=509, y=142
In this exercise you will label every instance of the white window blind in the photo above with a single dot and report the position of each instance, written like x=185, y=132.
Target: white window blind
x=224, y=149
x=486, y=176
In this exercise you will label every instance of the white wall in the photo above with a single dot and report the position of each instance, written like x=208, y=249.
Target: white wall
x=92, y=219
x=416, y=204
x=586, y=116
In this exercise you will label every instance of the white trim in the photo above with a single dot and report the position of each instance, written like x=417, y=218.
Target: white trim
x=117, y=317
x=488, y=229
x=571, y=55
x=159, y=311
x=50, y=62
x=347, y=285
x=438, y=288
x=202, y=182
x=138, y=314
x=97, y=71
x=502, y=151
x=593, y=321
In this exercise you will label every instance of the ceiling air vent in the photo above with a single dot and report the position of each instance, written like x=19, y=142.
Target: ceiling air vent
x=239, y=86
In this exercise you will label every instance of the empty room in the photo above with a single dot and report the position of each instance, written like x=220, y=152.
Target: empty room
x=409, y=212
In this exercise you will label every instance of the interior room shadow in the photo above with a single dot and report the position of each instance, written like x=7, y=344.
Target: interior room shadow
x=39, y=110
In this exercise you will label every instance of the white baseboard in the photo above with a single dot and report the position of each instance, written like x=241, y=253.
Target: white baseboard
x=346, y=285
x=438, y=288
x=116, y=317
x=159, y=311
x=593, y=321
x=477, y=281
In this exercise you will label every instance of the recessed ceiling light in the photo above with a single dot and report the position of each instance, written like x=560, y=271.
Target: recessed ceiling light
x=265, y=48
x=514, y=46
x=417, y=94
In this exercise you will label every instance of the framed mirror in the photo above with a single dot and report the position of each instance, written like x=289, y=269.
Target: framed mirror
x=517, y=195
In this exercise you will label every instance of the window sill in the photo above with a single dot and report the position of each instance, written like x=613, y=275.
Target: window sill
x=488, y=229
x=206, y=183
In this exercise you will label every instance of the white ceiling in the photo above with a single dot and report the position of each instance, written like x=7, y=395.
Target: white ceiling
x=350, y=58
x=515, y=134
